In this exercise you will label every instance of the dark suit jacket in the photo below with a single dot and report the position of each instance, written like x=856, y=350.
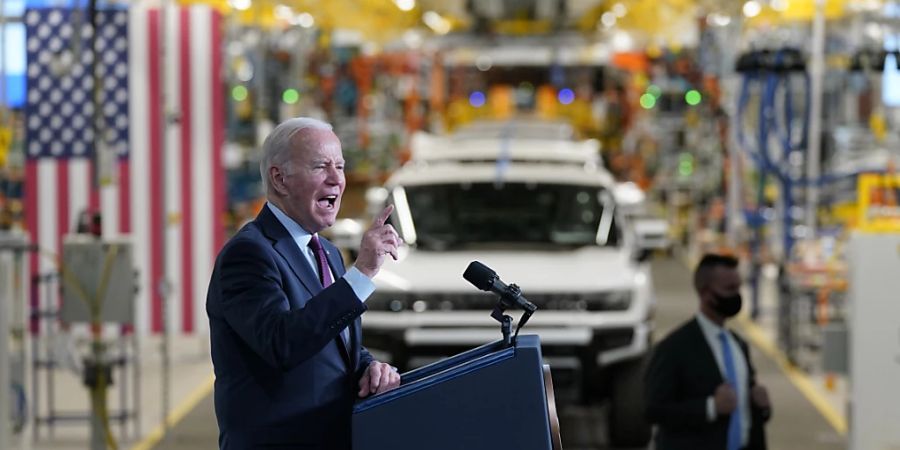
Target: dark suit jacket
x=681, y=374
x=284, y=378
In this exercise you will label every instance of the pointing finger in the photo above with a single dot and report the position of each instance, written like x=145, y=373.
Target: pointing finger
x=382, y=217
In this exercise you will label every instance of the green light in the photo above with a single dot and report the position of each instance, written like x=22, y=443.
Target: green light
x=648, y=101
x=239, y=93
x=654, y=90
x=693, y=97
x=290, y=96
x=685, y=164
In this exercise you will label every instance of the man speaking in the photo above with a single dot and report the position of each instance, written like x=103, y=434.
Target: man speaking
x=284, y=313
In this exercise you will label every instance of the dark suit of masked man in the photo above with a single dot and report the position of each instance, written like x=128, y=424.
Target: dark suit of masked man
x=701, y=389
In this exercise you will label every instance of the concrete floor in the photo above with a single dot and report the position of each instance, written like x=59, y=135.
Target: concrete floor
x=796, y=424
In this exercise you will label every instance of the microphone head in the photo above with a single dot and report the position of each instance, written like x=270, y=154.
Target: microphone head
x=480, y=275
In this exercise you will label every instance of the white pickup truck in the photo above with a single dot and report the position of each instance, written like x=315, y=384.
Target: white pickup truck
x=542, y=213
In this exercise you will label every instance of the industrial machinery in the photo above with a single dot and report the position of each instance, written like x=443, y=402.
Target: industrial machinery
x=13, y=288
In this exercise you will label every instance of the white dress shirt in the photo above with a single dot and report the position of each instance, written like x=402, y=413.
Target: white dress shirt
x=711, y=333
x=362, y=285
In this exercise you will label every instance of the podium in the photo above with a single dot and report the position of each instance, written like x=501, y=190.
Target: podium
x=491, y=397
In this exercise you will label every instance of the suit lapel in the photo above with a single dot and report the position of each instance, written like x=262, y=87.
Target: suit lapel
x=705, y=355
x=286, y=246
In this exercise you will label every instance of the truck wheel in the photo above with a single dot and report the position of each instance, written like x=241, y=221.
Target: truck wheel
x=625, y=419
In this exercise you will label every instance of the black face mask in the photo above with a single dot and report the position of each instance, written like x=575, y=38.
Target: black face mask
x=727, y=306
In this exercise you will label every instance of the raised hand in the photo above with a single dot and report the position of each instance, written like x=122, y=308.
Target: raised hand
x=379, y=240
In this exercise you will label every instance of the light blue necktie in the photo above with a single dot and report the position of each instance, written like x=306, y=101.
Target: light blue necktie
x=734, y=426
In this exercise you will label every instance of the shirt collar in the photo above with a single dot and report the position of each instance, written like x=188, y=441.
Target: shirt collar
x=709, y=327
x=300, y=236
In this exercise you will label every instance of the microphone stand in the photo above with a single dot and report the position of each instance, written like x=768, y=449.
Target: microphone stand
x=505, y=322
x=505, y=301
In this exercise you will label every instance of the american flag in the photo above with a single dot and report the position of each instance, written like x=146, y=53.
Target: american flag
x=155, y=67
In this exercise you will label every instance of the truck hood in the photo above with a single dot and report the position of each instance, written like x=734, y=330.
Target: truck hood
x=589, y=269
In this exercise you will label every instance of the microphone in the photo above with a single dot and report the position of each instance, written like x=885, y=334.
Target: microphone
x=482, y=277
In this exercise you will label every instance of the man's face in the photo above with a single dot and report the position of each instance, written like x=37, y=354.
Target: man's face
x=314, y=179
x=725, y=282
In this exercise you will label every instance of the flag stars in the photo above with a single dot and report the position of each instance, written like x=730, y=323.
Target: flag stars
x=55, y=44
x=55, y=18
x=60, y=99
x=78, y=71
x=32, y=18
x=78, y=96
x=56, y=96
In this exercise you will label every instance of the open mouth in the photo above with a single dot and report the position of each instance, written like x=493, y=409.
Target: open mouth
x=327, y=201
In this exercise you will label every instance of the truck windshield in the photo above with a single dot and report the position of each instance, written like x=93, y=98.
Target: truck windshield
x=479, y=214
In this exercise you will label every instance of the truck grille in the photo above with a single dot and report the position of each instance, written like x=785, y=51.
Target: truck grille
x=603, y=301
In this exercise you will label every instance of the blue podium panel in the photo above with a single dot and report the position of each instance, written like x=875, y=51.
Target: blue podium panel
x=490, y=397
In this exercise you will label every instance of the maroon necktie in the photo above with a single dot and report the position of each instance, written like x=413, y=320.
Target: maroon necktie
x=321, y=262
x=325, y=273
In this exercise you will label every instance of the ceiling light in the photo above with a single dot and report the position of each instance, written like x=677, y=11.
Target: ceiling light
x=240, y=5
x=619, y=10
x=437, y=23
x=752, y=9
x=779, y=5
x=405, y=5
x=622, y=42
x=719, y=20
x=608, y=19
x=306, y=20
x=284, y=12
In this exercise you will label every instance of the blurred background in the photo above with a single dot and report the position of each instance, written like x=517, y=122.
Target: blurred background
x=649, y=132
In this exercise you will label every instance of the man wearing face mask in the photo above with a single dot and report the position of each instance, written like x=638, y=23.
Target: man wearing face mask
x=700, y=385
